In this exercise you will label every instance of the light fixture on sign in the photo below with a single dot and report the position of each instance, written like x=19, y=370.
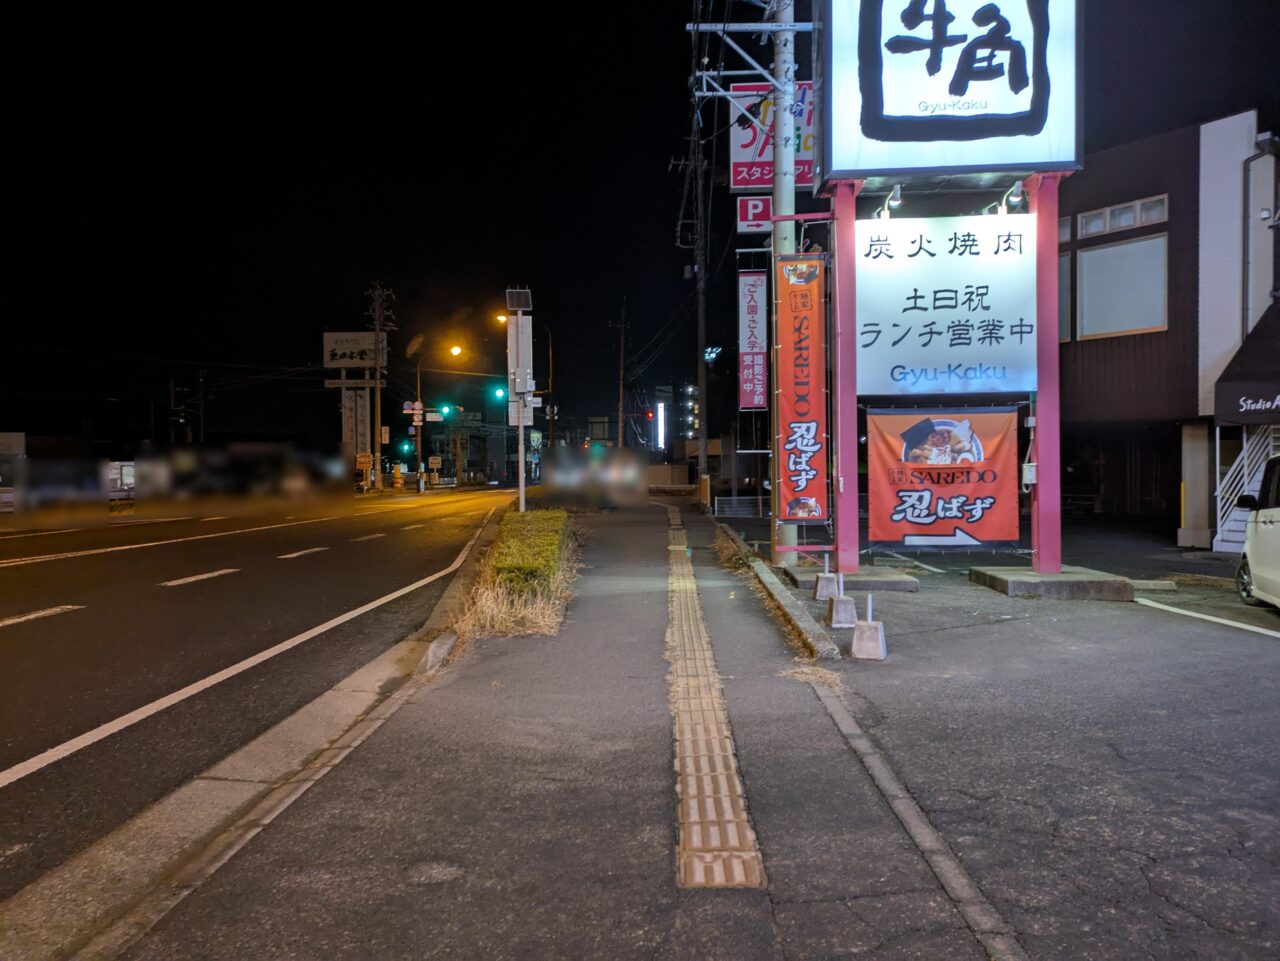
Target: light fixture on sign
x=892, y=202
x=1012, y=198
x=662, y=424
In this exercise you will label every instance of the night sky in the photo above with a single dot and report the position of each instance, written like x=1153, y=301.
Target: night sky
x=197, y=187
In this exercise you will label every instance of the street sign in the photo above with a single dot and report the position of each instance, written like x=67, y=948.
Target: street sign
x=417, y=420
x=755, y=214
x=364, y=461
x=434, y=416
x=352, y=382
x=513, y=415
x=413, y=431
x=435, y=462
x=408, y=407
x=416, y=405
x=520, y=354
x=357, y=348
x=386, y=434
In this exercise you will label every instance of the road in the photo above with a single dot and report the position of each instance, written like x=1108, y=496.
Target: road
x=96, y=624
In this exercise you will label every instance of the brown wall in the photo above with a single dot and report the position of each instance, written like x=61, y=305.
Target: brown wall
x=1139, y=376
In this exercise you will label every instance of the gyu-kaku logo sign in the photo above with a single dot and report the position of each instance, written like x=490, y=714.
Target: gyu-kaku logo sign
x=912, y=85
x=947, y=305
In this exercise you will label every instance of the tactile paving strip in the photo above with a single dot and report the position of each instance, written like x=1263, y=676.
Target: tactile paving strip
x=717, y=847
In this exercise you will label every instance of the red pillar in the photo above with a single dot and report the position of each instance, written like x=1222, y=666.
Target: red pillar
x=1046, y=495
x=844, y=375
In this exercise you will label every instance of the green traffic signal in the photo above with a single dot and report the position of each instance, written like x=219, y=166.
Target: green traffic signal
x=499, y=392
x=444, y=411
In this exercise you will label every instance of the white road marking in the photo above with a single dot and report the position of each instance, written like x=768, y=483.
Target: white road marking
x=412, y=527
x=13, y=537
x=367, y=537
x=1207, y=617
x=309, y=550
x=148, y=520
x=18, y=561
x=47, y=612
x=205, y=520
x=198, y=577
x=67, y=748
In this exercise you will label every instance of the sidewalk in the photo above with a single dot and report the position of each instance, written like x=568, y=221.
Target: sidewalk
x=1106, y=774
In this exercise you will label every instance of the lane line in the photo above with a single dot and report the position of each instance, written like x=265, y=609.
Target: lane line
x=198, y=577
x=1206, y=617
x=412, y=527
x=205, y=520
x=148, y=520
x=309, y=550
x=367, y=537
x=67, y=748
x=65, y=530
x=38, y=559
x=47, y=612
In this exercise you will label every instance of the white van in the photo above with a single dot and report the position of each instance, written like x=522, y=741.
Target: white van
x=1258, y=576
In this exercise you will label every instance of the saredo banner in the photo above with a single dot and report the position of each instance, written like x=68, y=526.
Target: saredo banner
x=799, y=292
x=943, y=478
x=753, y=340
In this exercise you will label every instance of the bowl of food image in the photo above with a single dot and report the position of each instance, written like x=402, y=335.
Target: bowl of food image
x=938, y=440
x=804, y=507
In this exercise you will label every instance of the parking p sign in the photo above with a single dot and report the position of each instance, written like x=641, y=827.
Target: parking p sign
x=755, y=214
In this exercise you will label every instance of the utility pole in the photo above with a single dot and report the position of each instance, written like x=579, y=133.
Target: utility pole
x=201, y=396
x=381, y=314
x=622, y=343
x=700, y=279
x=784, y=239
x=171, y=411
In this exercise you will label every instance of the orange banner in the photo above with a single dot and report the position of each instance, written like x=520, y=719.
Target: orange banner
x=943, y=478
x=799, y=284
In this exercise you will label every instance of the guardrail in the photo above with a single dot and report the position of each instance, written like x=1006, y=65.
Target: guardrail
x=741, y=507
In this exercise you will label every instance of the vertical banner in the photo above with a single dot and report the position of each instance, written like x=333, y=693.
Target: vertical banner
x=803, y=447
x=753, y=340
x=943, y=478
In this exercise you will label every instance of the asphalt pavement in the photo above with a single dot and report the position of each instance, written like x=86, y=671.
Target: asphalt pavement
x=135, y=613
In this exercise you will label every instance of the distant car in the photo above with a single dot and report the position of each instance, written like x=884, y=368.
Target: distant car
x=1258, y=576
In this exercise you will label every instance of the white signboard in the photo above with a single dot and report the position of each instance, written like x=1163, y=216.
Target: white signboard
x=755, y=214
x=514, y=418
x=753, y=340
x=947, y=85
x=947, y=305
x=354, y=349
x=751, y=148
x=520, y=354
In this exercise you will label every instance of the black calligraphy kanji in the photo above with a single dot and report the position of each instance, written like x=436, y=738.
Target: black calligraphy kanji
x=1008, y=243
x=1021, y=329
x=879, y=247
x=871, y=329
x=965, y=243
x=946, y=298
x=978, y=58
x=914, y=301
x=904, y=335
x=921, y=247
x=929, y=332
x=939, y=20
x=990, y=331
x=801, y=300
x=975, y=297
x=961, y=332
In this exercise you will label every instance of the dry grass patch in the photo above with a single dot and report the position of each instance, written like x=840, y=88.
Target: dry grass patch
x=814, y=675
x=730, y=554
x=525, y=578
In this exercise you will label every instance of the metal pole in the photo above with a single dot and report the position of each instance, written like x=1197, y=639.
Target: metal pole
x=700, y=267
x=845, y=376
x=551, y=388
x=520, y=408
x=622, y=344
x=784, y=235
x=417, y=432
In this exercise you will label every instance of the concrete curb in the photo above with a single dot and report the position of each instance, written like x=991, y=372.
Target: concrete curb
x=96, y=904
x=810, y=632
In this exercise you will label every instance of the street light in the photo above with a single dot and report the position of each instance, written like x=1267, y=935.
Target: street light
x=455, y=350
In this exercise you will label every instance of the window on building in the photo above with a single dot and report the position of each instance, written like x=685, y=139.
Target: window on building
x=1123, y=288
x=1110, y=220
x=1093, y=223
x=1064, y=230
x=1064, y=297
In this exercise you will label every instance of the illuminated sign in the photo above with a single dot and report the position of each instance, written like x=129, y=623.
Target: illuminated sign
x=918, y=86
x=755, y=214
x=751, y=148
x=947, y=305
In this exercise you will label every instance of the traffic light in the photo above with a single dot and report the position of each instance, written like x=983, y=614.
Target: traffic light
x=406, y=447
x=444, y=410
x=499, y=392
x=648, y=415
